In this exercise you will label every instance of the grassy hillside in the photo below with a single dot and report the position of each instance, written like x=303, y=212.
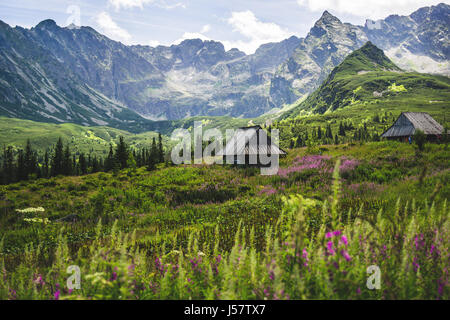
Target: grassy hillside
x=96, y=139
x=365, y=91
x=367, y=78
x=80, y=139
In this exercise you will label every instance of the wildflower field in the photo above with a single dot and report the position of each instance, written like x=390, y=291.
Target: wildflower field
x=222, y=232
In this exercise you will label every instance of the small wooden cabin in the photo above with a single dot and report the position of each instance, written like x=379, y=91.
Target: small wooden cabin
x=407, y=124
x=250, y=141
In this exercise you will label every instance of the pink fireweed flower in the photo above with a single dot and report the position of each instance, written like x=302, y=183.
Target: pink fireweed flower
x=333, y=234
x=346, y=255
x=348, y=164
x=305, y=257
x=344, y=240
x=305, y=254
x=432, y=249
x=330, y=247
x=56, y=294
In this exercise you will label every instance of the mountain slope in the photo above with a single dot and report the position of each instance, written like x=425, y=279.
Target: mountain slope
x=75, y=74
x=35, y=85
x=419, y=42
x=368, y=77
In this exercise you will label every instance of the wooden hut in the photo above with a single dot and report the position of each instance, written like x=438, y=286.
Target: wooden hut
x=407, y=124
x=249, y=143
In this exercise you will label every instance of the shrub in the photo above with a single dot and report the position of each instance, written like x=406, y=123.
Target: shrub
x=420, y=138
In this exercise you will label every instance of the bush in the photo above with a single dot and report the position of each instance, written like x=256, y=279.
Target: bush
x=420, y=138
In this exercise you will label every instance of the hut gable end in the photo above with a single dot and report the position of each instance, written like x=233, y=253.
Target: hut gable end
x=240, y=144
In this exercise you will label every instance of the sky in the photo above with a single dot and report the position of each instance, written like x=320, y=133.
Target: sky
x=242, y=24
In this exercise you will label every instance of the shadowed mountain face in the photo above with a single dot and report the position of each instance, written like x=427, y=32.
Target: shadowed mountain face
x=36, y=84
x=49, y=73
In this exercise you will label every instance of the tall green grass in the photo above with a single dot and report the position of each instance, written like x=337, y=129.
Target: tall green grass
x=304, y=254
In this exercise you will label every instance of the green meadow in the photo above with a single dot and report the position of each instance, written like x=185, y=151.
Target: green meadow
x=223, y=232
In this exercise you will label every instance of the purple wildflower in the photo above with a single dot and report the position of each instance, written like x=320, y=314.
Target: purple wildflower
x=346, y=255
x=330, y=247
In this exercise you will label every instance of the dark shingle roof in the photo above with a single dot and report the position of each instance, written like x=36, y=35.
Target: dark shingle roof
x=408, y=122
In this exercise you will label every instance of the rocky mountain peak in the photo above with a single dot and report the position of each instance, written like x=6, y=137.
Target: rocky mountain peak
x=327, y=19
x=46, y=25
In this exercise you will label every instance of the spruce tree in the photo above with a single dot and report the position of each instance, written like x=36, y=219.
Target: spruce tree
x=110, y=160
x=67, y=161
x=329, y=133
x=8, y=164
x=30, y=161
x=57, y=159
x=160, y=149
x=82, y=164
x=122, y=153
x=45, y=169
x=153, y=156
x=21, y=166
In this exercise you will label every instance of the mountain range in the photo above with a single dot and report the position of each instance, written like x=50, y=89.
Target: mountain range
x=75, y=74
x=368, y=79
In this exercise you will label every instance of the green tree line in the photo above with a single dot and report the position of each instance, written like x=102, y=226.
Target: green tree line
x=25, y=164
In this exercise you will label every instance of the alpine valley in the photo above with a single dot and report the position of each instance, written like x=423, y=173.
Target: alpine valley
x=74, y=74
x=95, y=206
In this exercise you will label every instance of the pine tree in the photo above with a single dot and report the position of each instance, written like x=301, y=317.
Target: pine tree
x=30, y=161
x=67, y=161
x=95, y=165
x=153, y=157
x=160, y=148
x=299, y=142
x=329, y=133
x=122, y=153
x=57, y=160
x=110, y=160
x=82, y=164
x=8, y=165
x=341, y=129
x=45, y=169
x=75, y=170
x=21, y=166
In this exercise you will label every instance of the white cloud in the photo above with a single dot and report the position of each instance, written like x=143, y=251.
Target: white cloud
x=195, y=35
x=111, y=29
x=205, y=28
x=154, y=43
x=256, y=31
x=129, y=4
x=373, y=9
x=191, y=35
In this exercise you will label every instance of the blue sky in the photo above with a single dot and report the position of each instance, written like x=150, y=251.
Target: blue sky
x=244, y=24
